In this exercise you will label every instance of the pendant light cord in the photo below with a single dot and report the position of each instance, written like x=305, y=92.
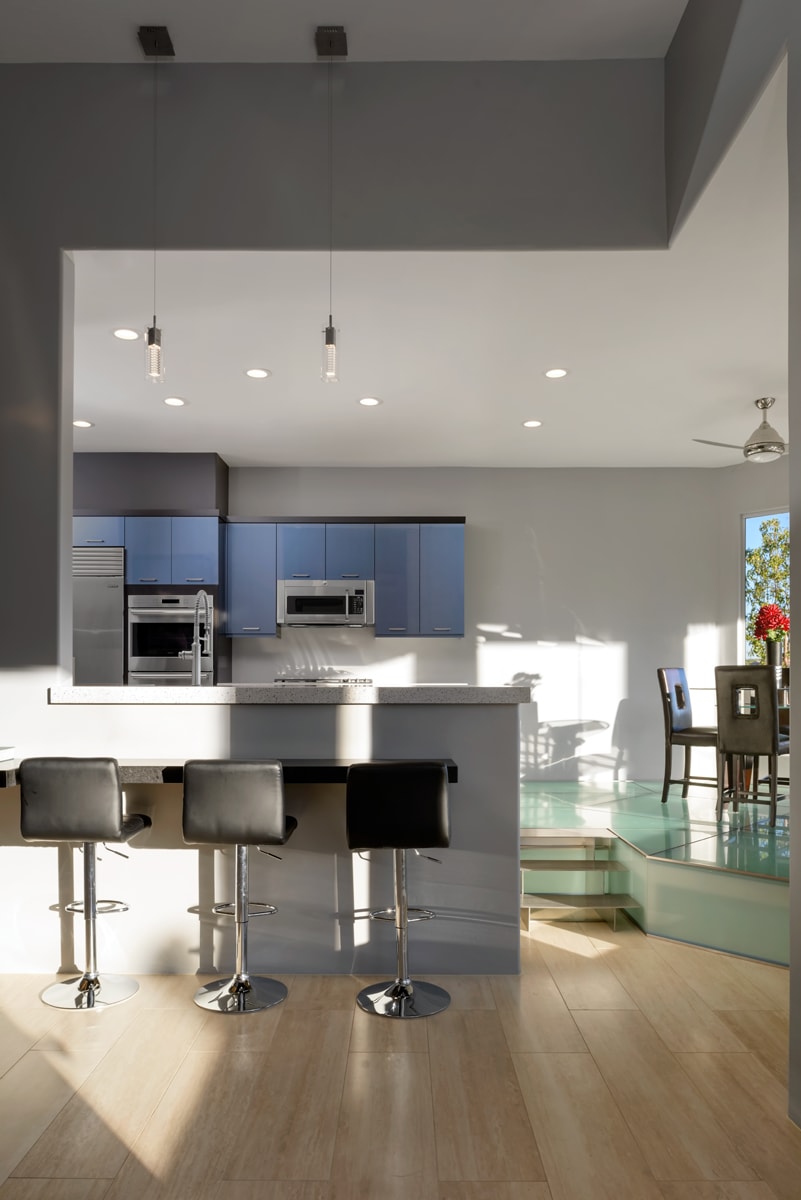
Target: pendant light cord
x=330, y=188
x=155, y=172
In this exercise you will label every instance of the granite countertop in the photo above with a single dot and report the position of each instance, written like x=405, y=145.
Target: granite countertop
x=434, y=693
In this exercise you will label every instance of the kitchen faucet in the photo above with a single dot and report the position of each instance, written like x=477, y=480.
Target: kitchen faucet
x=200, y=645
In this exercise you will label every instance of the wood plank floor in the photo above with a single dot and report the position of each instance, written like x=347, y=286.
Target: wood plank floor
x=616, y=1067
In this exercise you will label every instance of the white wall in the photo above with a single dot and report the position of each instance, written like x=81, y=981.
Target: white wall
x=588, y=579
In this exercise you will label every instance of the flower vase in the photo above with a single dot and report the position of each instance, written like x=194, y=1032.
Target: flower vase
x=774, y=652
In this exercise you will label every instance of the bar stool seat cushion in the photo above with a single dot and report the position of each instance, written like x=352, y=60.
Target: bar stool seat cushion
x=242, y=804
x=74, y=800
x=397, y=805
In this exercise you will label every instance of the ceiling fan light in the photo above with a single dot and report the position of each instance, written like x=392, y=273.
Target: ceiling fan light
x=762, y=452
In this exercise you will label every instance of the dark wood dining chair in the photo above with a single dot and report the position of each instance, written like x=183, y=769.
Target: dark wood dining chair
x=748, y=729
x=680, y=730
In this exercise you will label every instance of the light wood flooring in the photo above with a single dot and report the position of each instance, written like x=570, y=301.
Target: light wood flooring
x=614, y=1067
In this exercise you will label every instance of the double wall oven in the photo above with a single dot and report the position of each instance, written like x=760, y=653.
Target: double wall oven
x=160, y=634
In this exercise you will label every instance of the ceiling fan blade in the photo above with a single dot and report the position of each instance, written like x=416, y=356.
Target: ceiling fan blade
x=728, y=445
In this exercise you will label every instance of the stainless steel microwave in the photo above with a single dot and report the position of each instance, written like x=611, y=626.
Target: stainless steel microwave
x=326, y=602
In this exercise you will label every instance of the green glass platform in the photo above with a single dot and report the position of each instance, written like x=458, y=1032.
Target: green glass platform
x=723, y=886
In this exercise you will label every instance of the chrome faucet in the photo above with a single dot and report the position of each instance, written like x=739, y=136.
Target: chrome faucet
x=200, y=645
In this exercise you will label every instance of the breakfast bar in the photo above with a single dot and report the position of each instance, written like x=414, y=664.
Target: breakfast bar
x=322, y=891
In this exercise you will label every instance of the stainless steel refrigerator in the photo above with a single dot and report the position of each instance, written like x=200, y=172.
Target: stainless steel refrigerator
x=98, y=615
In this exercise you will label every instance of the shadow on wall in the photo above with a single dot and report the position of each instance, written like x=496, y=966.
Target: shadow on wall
x=553, y=749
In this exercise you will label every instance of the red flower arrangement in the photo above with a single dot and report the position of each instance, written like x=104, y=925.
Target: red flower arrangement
x=771, y=623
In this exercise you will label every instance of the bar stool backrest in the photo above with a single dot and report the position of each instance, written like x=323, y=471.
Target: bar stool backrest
x=234, y=803
x=748, y=710
x=70, y=800
x=397, y=805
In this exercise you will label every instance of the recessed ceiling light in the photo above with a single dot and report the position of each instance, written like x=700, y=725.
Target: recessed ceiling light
x=126, y=335
x=83, y=424
x=174, y=401
x=258, y=373
x=532, y=424
x=556, y=373
x=370, y=401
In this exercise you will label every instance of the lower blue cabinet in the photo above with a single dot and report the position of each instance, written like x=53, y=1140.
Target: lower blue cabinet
x=250, y=578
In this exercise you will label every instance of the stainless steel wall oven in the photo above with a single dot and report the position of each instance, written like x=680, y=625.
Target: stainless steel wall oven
x=160, y=633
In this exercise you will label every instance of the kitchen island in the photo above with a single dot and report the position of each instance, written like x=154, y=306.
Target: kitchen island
x=322, y=891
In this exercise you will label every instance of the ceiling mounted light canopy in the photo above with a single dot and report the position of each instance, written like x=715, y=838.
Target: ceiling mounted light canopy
x=156, y=43
x=330, y=42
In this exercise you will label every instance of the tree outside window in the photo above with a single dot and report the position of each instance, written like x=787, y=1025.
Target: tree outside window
x=767, y=575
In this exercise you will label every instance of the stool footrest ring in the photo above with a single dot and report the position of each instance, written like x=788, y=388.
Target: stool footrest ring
x=413, y=914
x=256, y=908
x=101, y=906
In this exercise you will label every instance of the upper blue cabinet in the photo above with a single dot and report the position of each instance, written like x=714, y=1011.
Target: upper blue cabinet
x=419, y=580
x=195, y=550
x=397, y=580
x=349, y=552
x=442, y=580
x=172, y=550
x=250, y=580
x=148, y=550
x=98, y=531
x=301, y=551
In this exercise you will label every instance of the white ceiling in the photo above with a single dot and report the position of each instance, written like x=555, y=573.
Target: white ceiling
x=661, y=346
x=378, y=30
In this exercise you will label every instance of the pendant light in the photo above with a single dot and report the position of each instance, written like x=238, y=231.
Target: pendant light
x=156, y=43
x=330, y=42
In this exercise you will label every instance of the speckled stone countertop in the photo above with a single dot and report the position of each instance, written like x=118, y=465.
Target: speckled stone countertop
x=434, y=693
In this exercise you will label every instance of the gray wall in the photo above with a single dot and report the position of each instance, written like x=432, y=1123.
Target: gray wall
x=589, y=579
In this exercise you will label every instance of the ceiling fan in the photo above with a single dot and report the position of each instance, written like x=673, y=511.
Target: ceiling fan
x=764, y=444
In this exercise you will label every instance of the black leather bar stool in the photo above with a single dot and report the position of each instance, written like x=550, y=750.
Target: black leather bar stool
x=80, y=800
x=240, y=803
x=399, y=806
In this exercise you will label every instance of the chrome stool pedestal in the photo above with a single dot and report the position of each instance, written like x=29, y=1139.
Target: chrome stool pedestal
x=402, y=997
x=241, y=992
x=399, y=806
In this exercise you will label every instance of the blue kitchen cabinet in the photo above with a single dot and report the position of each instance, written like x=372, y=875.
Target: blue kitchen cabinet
x=301, y=551
x=98, y=531
x=397, y=580
x=195, y=550
x=250, y=577
x=442, y=580
x=349, y=552
x=148, y=550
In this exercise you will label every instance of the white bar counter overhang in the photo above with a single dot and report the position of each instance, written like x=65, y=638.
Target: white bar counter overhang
x=322, y=891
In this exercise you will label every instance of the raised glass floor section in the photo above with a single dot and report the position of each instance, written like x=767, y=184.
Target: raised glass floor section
x=718, y=885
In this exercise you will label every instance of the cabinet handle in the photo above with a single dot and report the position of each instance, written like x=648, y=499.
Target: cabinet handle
x=397, y=629
x=148, y=579
x=251, y=628
x=199, y=579
x=299, y=576
x=95, y=541
x=442, y=629
x=354, y=575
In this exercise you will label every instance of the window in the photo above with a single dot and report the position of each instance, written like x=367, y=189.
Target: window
x=767, y=574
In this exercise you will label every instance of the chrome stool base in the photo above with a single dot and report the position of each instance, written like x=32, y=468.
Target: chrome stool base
x=83, y=993
x=414, y=998
x=235, y=994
